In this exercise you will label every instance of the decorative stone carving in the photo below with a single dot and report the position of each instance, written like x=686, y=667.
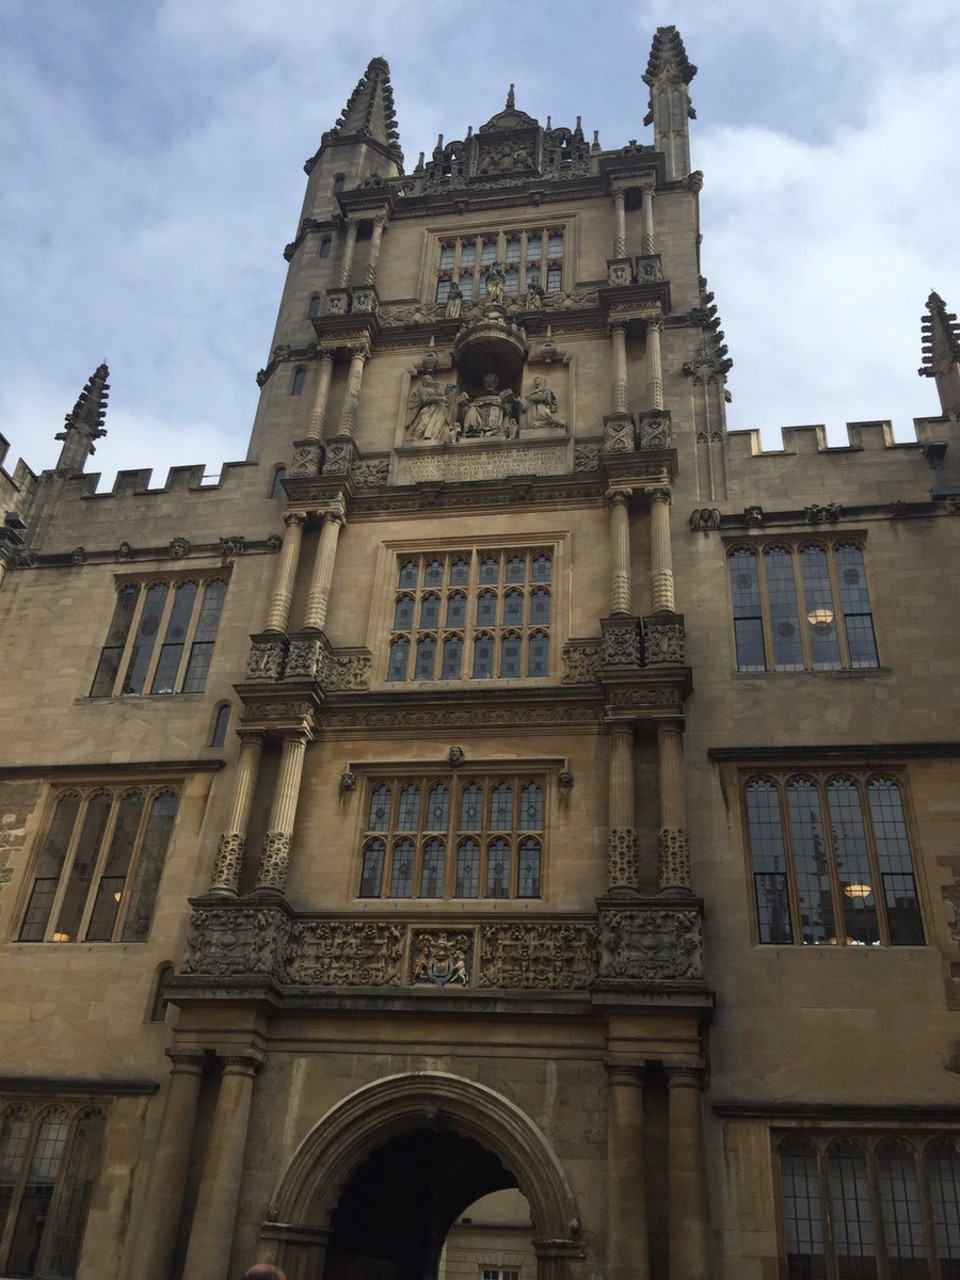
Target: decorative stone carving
x=274, y=542
x=754, y=517
x=828, y=514
x=581, y=662
x=431, y=409
x=619, y=272
x=79, y=555
x=347, y=953
x=235, y=942
x=623, y=858
x=365, y=298
x=178, y=548
x=951, y=896
x=543, y=957
x=703, y=519
x=494, y=413
x=338, y=302
x=348, y=781
x=619, y=432
x=441, y=959
x=540, y=405
x=456, y=757
x=307, y=458
x=654, y=430
x=346, y=673
x=124, y=551
x=274, y=861
x=649, y=269
x=565, y=780
x=621, y=642
x=340, y=458
x=586, y=457
x=474, y=461
x=229, y=861
x=233, y=545
x=305, y=658
x=674, y=850
x=651, y=943
x=898, y=509
x=663, y=641
x=267, y=658
x=370, y=475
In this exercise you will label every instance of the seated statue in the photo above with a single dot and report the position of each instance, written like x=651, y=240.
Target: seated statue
x=431, y=405
x=492, y=414
x=540, y=405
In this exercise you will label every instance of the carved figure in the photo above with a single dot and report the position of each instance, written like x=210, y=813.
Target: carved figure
x=495, y=280
x=454, y=302
x=541, y=405
x=535, y=296
x=430, y=403
x=493, y=413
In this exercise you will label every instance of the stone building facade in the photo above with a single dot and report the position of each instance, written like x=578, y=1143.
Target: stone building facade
x=503, y=778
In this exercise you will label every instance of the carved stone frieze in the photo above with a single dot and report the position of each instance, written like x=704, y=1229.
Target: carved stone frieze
x=649, y=942
x=643, y=696
x=621, y=642
x=344, y=953
x=307, y=459
x=581, y=662
x=267, y=659
x=586, y=457
x=623, y=858
x=371, y=475
x=654, y=430
x=498, y=463
x=233, y=545
x=703, y=519
x=347, y=673
x=674, y=851
x=229, y=861
x=233, y=942
x=543, y=957
x=305, y=658
x=464, y=716
x=663, y=638
x=341, y=458
x=178, y=548
x=830, y=513
x=619, y=432
x=274, y=861
x=648, y=268
x=441, y=958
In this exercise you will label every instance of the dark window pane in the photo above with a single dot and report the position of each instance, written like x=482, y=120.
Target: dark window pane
x=510, y=651
x=146, y=881
x=501, y=807
x=802, y=1215
x=379, y=809
x=486, y=608
x=371, y=877
x=146, y=638
x=769, y=862
x=810, y=856
x=408, y=815
x=403, y=614
x=452, y=660
x=819, y=609
x=426, y=658
x=468, y=870
x=896, y=865
x=399, y=660
x=858, y=892
x=438, y=808
x=747, y=624
x=855, y=602
x=471, y=808
x=528, y=870
x=79, y=1177
x=401, y=875
x=498, y=869
x=49, y=869
x=483, y=657
x=409, y=574
x=538, y=655
x=110, y=889
x=429, y=611
x=853, y=1230
x=81, y=873
x=784, y=614
x=459, y=573
x=431, y=872
x=456, y=609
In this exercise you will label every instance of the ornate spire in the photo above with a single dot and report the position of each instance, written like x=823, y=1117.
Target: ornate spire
x=669, y=72
x=940, y=336
x=84, y=424
x=369, y=115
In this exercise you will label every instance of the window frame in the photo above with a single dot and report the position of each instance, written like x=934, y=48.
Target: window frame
x=471, y=630
x=546, y=264
x=794, y=545
x=401, y=826
x=822, y=777
x=822, y=1144
x=143, y=584
x=131, y=890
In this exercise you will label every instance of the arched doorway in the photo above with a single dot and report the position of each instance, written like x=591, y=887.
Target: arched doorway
x=373, y=1189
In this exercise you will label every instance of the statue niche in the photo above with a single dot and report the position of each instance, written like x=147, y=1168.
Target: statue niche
x=493, y=413
x=431, y=417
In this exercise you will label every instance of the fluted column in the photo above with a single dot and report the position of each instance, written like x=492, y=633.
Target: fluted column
x=215, y=1215
x=627, y=1238
x=348, y=414
x=648, y=242
x=621, y=573
x=346, y=263
x=233, y=841
x=153, y=1242
x=654, y=395
x=618, y=337
x=674, y=841
x=278, y=614
x=661, y=553
x=318, y=597
x=623, y=869
x=275, y=858
x=620, y=224
x=370, y=275
x=689, y=1204
x=318, y=414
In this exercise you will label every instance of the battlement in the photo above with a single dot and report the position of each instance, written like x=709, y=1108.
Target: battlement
x=193, y=478
x=16, y=489
x=802, y=441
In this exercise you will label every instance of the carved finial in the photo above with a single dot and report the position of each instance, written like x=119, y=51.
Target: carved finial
x=668, y=74
x=369, y=115
x=940, y=337
x=85, y=423
x=511, y=100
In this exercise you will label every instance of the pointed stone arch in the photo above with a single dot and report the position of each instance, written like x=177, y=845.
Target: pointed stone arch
x=298, y=1224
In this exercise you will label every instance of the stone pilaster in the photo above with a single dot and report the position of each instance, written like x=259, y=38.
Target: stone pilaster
x=674, y=842
x=648, y=242
x=348, y=414
x=623, y=866
x=275, y=856
x=233, y=841
x=619, y=224
x=627, y=1234
x=370, y=275
x=661, y=553
x=278, y=613
x=689, y=1204
x=346, y=262
x=618, y=391
x=318, y=596
x=654, y=391
x=621, y=574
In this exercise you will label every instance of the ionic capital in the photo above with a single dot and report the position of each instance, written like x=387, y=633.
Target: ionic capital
x=295, y=518
x=615, y=497
x=245, y=1063
x=660, y=493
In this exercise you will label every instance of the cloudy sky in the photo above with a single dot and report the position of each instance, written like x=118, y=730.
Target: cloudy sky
x=152, y=158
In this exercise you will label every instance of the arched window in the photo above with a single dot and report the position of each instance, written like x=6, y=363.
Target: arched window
x=338, y=181
x=157, y=1012
x=276, y=489
x=220, y=722
x=296, y=384
x=326, y=244
x=316, y=302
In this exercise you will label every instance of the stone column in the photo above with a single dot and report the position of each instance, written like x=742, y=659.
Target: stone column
x=370, y=275
x=318, y=414
x=654, y=395
x=674, y=841
x=648, y=243
x=627, y=1237
x=346, y=264
x=621, y=574
x=348, y=414
x=618, y=336
x=318, y=597
x=215, y=1216
x=623, y=869
x=661, y=554
x=233, y=841
x=275, y=857
x=620, y=225
x=689, y=1204
x=153, y=1242
x=278, y=614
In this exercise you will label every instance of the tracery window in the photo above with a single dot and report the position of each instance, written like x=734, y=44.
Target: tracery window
x=801, y=606
x=453, y=836
x=531, y=258
x=161, y=637
x=472, y=614
x=49, y=1164
x=831, y=860
x=867, y=1205
x=99, y=867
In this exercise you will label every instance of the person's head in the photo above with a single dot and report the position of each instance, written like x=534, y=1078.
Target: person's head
x=263, y=1271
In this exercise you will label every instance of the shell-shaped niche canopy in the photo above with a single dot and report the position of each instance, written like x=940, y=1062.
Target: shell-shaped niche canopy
x=492, y=343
